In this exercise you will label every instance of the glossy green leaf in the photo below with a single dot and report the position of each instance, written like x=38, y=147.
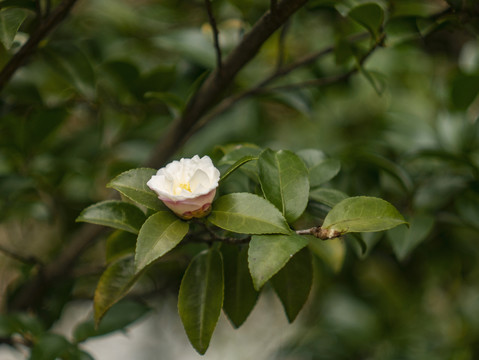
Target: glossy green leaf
x=115, y=214
x=331, y=252
x=10, y=21
x=284, y=180
x=375, y=79
x=118, y=317
x=132, y=184
x=293, y=283
x=362, y=214
x=240, y=295
x=237, y=164
x=329, y=197
x=404, y=239
x=25, y=323
x=323, y=172
x=311, y=157
x=464, y=89
x=160, y=233
x=201, y=297
x=369, y=15
x=51, y=347
x=248, y=214
x=114, y=284
x=119, y=244
x=268, y=254
x=239, y=152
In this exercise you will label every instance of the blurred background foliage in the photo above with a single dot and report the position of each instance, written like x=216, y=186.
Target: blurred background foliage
x=99, y=93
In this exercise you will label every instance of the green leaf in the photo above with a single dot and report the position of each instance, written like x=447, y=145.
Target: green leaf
x=114, y=284
x=464, y=89
x=26, y=4
x=240, y=152
x=332, y=252
x=24, y=323
x=115, y=214
x=267, y=254
x=329, y=197
x=404, y=239
x=10, y=21
x=323, y=172
x=248, y=214
x=284, y=180
x=362, y=214
x=118, y=317
x=240, y=295
x=311, y=157
x=237, y=164
x=369, y=15
x=160, y=233
x=201, y=297
x=132, y=184
x=51, y=347
x=119, y=244
x=72, y=63
x=293, y=283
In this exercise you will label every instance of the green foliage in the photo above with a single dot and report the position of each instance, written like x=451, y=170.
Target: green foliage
x=132, y=184
x=370, y=15
x=159, y=234
x=118, y=317
x=378, y=101
x=240, y=295
x=284, y=180
x=269, y=253
x=113, y=285
x=117, y=214
x=247, y=213
x=293, y=283
x=362, y=214
x=201, y=297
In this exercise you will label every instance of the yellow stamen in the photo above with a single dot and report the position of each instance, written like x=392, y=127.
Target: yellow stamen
x=185, y=187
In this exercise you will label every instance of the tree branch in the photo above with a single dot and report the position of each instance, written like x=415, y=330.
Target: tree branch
x=33, y=291
x=227, y=103
x=211, y=17
x=216, y=83
x=46, y=25
x=31, y=260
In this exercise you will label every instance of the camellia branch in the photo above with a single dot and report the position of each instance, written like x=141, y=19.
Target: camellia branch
x=214, y=28
x=31, y=260
x=45, y=26
x=229, y=102
x=316, y=231
x=216, y=83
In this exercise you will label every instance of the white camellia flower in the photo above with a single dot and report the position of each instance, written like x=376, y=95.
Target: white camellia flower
x=187, y=186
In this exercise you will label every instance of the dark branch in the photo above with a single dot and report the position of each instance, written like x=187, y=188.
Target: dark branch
x=214, y=86
x=274, y=5
x=214, y=28
x=285, y=70
x=46, y=25
x=31, y=260
x=281, y=45
x=32, y=293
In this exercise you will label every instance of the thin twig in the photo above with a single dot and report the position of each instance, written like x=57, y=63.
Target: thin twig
x=46, y=25
x=227, y=103
x=31, y=260
x=214, y=27
x=281, y=45
x=215, y=84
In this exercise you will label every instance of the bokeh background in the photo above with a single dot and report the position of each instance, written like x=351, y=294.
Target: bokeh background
x=99, y=93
